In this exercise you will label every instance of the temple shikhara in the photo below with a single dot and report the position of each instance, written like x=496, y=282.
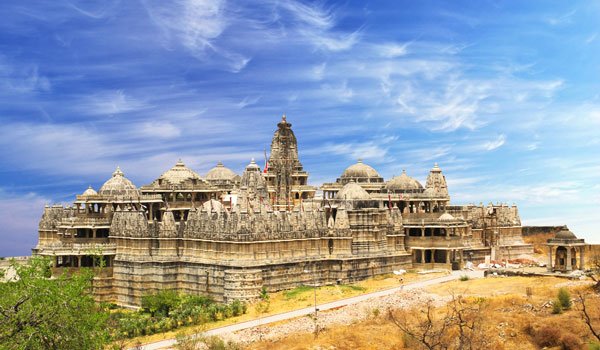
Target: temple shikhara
x=228, y=236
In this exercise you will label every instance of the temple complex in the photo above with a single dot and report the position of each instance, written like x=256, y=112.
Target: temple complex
x=228, y=235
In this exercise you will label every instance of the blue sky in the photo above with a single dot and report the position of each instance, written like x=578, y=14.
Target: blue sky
x=505, y=96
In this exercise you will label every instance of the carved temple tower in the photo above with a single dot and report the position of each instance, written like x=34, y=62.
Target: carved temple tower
x=286, y=179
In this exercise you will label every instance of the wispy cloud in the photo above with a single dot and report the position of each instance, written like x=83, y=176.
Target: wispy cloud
x=111, y=102
x=497, y=143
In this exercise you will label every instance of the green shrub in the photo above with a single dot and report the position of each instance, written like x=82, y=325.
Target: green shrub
x=565, y=298
x=556, y=307
x=464, y=278
x=161, y=303
x=593, y=345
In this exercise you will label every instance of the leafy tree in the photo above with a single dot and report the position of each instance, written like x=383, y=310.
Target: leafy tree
x=38, y=312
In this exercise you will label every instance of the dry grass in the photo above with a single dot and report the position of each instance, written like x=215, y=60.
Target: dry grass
x=491, y=286
x=374, y=334
x=513, y=320
x=298, y=298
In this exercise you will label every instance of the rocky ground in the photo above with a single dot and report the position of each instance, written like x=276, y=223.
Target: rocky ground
x=343, y=316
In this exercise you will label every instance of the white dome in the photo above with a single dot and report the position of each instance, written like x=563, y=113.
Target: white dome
x=119, y=185
x=219, y=173
x=403, y=182
x=360, y=170
x=179, y=174
x=90, y=192
x=351, y=191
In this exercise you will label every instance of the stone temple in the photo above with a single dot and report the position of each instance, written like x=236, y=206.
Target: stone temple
x=228, y=236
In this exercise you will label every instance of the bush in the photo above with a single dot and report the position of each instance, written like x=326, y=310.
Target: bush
x=570, y=342
x=161, y=303
x=548, y=337
x=556, y=307
x=593, y=345
x=565, y=298
x=464, y=278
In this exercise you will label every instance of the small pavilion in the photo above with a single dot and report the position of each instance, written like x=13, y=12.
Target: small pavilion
x=564, y=247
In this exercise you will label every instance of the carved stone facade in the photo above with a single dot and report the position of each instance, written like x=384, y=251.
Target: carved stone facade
x=229, y=236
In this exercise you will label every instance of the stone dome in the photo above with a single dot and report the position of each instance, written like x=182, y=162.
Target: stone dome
x=219, y=173
x=402, y=183
x=179, y=174
x=360, y=170
x=565, y=234
x=90, y=192
x=252, y=166
x=446, y=217
x=119, y=185
x=352, y=190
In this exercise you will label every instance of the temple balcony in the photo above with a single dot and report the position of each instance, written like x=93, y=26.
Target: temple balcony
x=86, y=220
x=435, y=242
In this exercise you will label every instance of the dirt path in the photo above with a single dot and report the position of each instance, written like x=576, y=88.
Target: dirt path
x=361, y=307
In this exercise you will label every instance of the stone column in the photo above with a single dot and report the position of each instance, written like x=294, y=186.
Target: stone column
x=422, y=231
x=150, y=211
x=447, y=257
x=569, y=265
x=550, y=258
x=93, y=233
x=79, y=261
x=581, y=258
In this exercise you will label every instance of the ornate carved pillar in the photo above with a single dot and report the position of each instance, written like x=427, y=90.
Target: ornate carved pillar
x=569, y=265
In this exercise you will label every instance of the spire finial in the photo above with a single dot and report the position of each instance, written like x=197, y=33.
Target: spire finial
x=360, y=160
x=283, y=118
x=118, y=172
x=220, y=165
x=403, y=171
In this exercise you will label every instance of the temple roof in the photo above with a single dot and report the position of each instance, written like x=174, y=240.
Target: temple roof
x=351, y=191
x=178, y=175
x=403, y=182
x=90, y=192
x=360, y=170
x=119, y=185
x=219, y=173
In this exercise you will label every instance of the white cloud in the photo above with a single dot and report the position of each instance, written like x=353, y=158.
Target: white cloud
x=591, y=38
x=163, y=130
x=492, y=145
x=111, y=102
x=392, y=50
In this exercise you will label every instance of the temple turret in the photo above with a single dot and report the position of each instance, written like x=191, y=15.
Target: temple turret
x=286, y=179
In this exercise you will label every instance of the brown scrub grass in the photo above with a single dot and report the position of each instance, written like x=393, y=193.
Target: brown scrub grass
x=514, y=320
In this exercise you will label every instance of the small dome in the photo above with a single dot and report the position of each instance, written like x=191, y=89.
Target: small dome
x=565, y=234
x=252, y=166
x=90, y=192
x=219, y=173
x=360, y=170
x=446, y=217
x=179, y=174
x=119, y=185
x=352, y=190
x=403, y=182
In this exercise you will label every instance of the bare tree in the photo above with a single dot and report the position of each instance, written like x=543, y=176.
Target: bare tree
x=595, y=273
x=424, y=327
x=590, y=313
x=459, y=326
